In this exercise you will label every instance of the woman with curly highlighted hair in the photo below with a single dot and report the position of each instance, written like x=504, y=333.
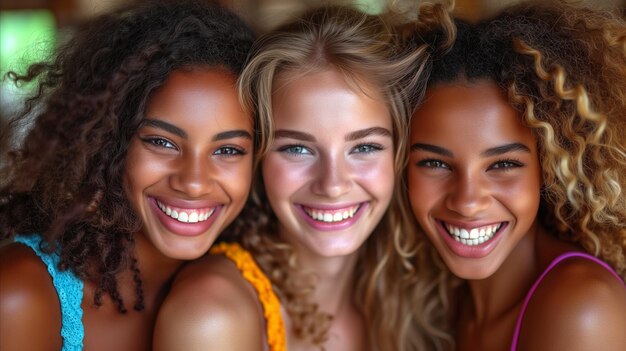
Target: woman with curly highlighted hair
x=321, y=257
x=139, y=155
x=517, y=175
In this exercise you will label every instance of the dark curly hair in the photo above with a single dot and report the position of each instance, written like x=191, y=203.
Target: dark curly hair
x=64, y=181
x=564, y=70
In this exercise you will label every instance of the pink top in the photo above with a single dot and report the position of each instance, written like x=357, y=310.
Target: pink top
x=556, y=261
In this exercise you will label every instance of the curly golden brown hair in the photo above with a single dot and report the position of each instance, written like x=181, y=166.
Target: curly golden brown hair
x=64, y=180
x=361, y=48
x=564, y=69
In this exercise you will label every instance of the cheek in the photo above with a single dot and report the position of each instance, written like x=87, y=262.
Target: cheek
x=236, y=178
x=422, y=192
x=282, y=178
x=133, y=170
x=142, y=167
x=522, y=195
x=377, y=176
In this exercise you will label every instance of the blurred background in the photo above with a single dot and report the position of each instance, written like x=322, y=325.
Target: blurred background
x=31, y=29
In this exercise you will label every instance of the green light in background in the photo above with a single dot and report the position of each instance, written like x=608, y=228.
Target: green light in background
x=373, y=7
x=26, y=37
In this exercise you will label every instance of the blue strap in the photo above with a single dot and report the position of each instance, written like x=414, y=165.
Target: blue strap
x=70, y=291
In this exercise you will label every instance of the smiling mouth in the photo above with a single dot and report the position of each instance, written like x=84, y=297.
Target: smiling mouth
x=183, y=215
x=331, y=216
x=473, y=236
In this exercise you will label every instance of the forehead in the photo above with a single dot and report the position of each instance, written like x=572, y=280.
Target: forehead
x=471, y=111
x=325, y=96
x=200, y=96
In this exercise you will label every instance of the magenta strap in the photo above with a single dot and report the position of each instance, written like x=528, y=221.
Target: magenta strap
x=556, y=261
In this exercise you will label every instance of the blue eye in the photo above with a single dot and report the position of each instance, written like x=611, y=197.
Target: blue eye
x=230, y=151
x=295, y=149
x=432, y=163
x=366, y=148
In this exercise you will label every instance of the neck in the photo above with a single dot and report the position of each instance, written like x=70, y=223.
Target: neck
x=334, y=278
x=505, y=290
x=156, y=269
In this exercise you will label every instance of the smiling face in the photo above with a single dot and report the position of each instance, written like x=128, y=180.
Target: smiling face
x=189, y=166
x=329, y=175
x=474, y=176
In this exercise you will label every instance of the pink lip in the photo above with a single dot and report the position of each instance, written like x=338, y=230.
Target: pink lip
x=335, y=226
x=183, y=229
x=476, y=251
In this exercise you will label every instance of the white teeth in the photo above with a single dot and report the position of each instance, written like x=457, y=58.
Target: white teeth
x=186, y=216
x=331, y=216
x=474, y=236
x=193, y=217
x=464, y=234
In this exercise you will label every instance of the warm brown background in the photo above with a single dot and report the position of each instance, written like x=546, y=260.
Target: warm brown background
x=262, y=14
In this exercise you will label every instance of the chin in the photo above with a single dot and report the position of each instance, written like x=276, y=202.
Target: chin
x=471, y=272
x=337, y=250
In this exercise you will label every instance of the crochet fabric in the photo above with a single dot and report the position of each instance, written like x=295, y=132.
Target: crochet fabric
x=69, y=289
x=255, y=276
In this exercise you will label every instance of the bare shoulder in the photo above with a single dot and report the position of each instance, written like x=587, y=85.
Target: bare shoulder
x=578, y=306
x=29, y=304
x=210, y=307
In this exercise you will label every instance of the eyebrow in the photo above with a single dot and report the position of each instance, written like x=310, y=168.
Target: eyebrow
x=498, y=150
x=232, y=134
x=181, y=133
x=432, y=148
x=359, y=134
x=287, y=133
x=165, y=126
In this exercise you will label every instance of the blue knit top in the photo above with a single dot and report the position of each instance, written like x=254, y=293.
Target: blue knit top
x=70, y=291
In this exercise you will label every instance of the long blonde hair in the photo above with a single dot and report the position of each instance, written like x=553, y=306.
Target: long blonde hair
x=362, y=48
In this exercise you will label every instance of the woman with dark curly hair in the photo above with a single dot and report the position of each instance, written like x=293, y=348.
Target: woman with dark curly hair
x=517, y=175
x=138, y=157
x=322, y=261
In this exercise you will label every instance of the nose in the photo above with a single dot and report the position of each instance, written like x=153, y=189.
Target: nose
x=468, y=196
x=193, y=176
x=333, y=178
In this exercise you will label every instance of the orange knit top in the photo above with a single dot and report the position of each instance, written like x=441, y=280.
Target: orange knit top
x=275, y=328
